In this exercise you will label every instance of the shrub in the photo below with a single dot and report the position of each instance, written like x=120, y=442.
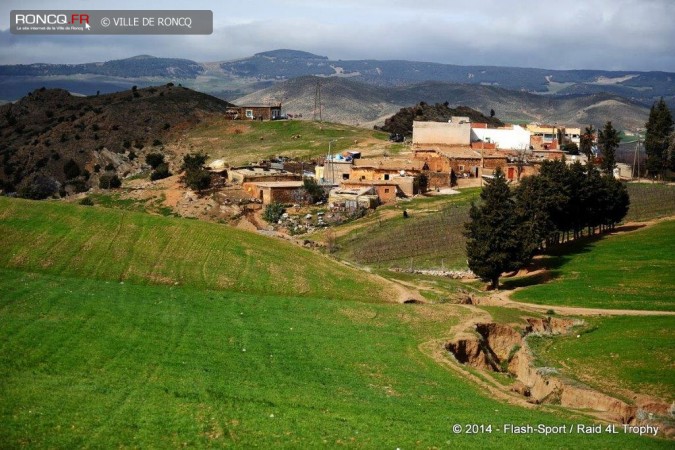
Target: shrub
x=126, y=144
x=109, y=167
x=97, y=168
x=273, y=212
x=109, y=182
x=38, y=186
x=197, y=179
x=167, y=126
x=315, y=192
x=160, y=172
x=156, y=143
x=193, y=161
x=71, y=169
x=154, y=159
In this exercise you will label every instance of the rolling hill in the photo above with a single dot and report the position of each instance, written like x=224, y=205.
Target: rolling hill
x=44, y=131
x=349, y=101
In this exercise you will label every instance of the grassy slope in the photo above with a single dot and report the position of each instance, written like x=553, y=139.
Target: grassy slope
x=630, y=271
x=240, y=142
x=634, y=353
x=91, y=363
x=120, y=245
x=97, y=362
x=432, y=235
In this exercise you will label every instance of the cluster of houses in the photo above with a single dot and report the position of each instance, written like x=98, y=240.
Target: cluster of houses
x=443, y=155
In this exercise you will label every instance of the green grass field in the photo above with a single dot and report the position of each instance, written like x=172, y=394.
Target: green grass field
x=95, y=353
x=64, y=239
x=87, y=363
x=241, y=142
x=629, y=271
x=633, y=353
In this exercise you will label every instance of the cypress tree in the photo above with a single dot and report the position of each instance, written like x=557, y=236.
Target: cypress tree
x=493, y=234
x=659, y=128
x=608, y=139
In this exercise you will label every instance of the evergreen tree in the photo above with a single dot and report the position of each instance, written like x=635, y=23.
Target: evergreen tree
x=493, y=234
x=659, y=128
x=608, y=139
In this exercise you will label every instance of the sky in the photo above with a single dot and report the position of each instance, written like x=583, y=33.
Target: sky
x=562, y=34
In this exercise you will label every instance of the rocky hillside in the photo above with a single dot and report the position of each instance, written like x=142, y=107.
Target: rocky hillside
x=55, y=137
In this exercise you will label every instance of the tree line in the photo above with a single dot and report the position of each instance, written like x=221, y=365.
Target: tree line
x=561, y=203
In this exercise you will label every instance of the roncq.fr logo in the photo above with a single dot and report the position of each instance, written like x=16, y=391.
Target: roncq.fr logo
x=51, y=19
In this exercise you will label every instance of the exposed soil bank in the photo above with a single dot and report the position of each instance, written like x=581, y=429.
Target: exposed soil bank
x=502, y=348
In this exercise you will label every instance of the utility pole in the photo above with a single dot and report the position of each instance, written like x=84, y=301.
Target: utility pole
x=636, y=157
x=317, y=100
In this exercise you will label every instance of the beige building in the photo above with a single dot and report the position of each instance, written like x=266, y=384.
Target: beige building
x=455, y=132
x=274, y=191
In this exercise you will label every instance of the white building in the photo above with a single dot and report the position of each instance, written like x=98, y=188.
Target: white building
x=514, y=137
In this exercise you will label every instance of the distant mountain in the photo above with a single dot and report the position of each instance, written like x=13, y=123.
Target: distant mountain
x=286, y=64
x=240, y=77
x=46, y=130
x=137, y=66
x=349, y=101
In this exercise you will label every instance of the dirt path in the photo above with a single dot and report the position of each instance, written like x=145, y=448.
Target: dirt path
x=503, y=299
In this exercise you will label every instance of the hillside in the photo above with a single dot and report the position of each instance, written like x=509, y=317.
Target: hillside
x=342, y=100
x=127, y=330
x=111, y=245
x=353, y=102
x=44, y=131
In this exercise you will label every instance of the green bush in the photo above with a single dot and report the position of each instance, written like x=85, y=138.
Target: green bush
x=71, y=169
x=197, y=179
x=109, y=182
x=154, y=159
x=160, y=172
x=273, y=212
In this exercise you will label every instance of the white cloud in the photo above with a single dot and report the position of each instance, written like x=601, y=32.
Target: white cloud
x=597, y=34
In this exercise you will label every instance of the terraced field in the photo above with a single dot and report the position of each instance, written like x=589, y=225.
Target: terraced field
x=431, y=237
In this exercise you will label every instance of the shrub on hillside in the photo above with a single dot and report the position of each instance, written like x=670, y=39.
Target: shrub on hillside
x=161, y=172
x=38, y=187
x=71, y=169
x=154, y=159
x=273, y=212
x=198, y=180
x=108, y=181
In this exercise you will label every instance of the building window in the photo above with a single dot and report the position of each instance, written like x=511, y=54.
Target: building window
x=386, y=190
x=345, y=176
x=386, y=176
x=461, y=168
x=249, y=113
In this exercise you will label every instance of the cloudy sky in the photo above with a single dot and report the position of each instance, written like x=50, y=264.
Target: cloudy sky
x=560, y=34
